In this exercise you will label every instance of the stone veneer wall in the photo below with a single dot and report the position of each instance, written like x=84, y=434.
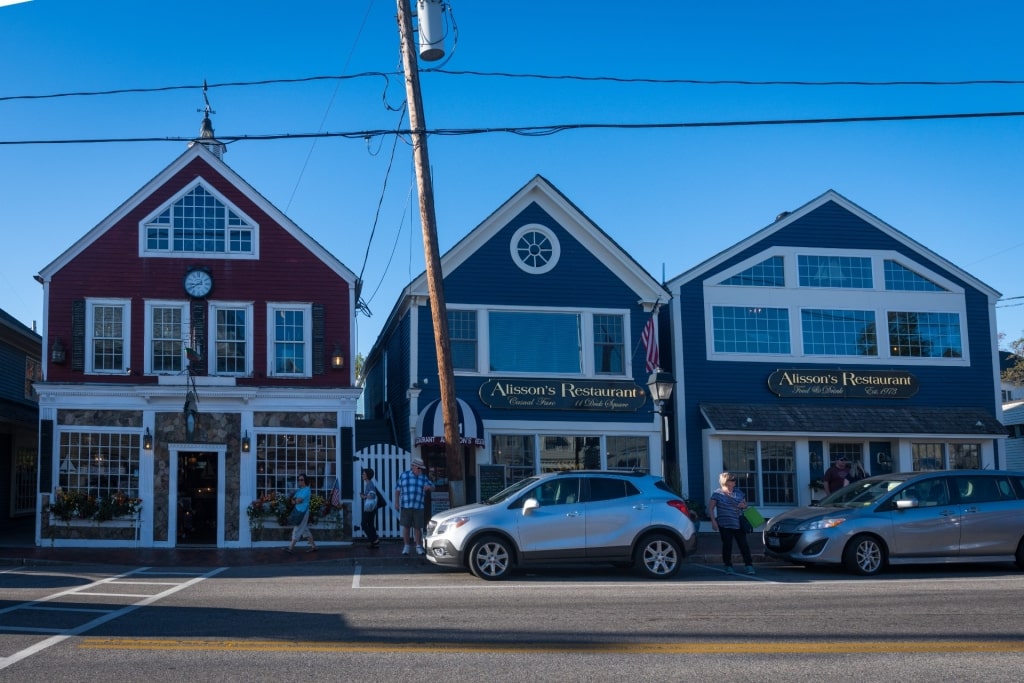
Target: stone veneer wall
x=211, y=428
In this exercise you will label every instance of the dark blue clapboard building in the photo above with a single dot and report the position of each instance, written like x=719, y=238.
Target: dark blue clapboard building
x=545, y=313
x=830, y=334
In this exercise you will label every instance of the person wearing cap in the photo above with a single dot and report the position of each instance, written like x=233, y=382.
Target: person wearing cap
x=837, y=476
x=410, y=501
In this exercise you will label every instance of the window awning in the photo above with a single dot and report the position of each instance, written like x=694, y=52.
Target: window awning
x=430, y=425
x=843, y=419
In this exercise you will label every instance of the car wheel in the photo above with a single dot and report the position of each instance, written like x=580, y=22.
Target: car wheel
x=864, y=555
x=490, y=558
x=1020, y=554
x=658, y=557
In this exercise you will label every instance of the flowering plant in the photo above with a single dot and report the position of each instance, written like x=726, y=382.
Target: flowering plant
x=74, y=504
x=280, y=506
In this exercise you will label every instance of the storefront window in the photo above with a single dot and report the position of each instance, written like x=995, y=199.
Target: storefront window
x=516, y=453
x=629, y=453
x=965, y=456
x=778, y=472
x=766, y=470
x=281, y=458
x=927, y=456
x=558, y=453
x=99, y=464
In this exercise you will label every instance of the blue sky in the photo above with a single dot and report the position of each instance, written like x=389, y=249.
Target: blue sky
x=670, y=197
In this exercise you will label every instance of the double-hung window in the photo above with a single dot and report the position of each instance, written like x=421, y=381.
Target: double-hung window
x=166, y=332
x=289, y=329
x=108, y=322
x=232, y=330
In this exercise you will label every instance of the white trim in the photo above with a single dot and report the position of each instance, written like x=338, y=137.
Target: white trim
x=254, y=254
x=307, y=342
x=211, y=336
x=174, y=452
x=548, y=234
x=126, y=328
x=147, y=348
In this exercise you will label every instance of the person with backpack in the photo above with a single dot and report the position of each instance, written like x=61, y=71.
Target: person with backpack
x=372, y=500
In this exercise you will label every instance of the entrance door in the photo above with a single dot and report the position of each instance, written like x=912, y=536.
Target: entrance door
x=197, y=498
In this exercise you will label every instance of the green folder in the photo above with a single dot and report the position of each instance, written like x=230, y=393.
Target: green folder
x=755, y=518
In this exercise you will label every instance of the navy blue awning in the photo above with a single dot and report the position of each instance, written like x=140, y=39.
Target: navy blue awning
x=430, y=425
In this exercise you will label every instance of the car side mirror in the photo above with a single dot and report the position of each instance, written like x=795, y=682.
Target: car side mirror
x=529, y=505
x=906, y=503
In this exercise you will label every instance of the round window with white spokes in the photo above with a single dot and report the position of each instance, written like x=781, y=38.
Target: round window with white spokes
x=535, y=249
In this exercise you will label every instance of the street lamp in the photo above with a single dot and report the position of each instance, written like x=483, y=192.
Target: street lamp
x=661, y=384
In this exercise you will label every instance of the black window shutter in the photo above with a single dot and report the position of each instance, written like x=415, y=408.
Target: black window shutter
x=347, y=459
x=45, y=456
x=318, y=339
x=198, y=312
x=78, y=335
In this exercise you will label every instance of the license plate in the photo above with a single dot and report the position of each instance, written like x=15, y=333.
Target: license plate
x=773, y=542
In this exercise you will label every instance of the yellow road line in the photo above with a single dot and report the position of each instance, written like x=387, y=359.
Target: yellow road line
x=870, y=647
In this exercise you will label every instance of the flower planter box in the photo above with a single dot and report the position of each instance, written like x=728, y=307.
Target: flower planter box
x=117, y=529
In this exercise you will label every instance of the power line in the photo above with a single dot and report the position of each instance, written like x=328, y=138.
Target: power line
x=692, y=81
x=497, y=74
x=534, y=131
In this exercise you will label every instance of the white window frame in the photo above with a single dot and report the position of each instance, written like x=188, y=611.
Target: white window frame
x=307, y=330
x=796, y=298
x=211, y=337
x=587, y=359
x=184, y=332
x=144, y=250
x=126, y=328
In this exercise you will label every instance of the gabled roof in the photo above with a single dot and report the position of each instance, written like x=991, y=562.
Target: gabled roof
x=540, y=191
x=785, y=219
x=163, y=177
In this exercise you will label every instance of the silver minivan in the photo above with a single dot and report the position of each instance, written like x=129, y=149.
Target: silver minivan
x=908, y=518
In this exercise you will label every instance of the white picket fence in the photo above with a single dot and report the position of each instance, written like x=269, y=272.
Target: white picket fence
x=387, y=462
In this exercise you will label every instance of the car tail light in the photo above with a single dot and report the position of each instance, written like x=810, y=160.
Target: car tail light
x=681, y=506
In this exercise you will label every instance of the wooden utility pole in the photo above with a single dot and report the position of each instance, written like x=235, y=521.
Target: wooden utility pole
x=435, y=278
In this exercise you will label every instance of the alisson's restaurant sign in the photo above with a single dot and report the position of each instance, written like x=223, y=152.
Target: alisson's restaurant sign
x=842, y=383
x=542, y=394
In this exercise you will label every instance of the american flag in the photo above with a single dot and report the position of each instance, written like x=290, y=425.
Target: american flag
x=335, y=496
x=650, y=340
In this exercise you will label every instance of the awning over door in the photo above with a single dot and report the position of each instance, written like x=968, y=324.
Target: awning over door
x=430, y=425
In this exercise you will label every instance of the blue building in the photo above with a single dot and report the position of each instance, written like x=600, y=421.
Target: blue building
x=829, y=333
x=545, y=315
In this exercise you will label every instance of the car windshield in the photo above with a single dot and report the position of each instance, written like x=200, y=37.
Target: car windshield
x=862, y=493
x=512, y=490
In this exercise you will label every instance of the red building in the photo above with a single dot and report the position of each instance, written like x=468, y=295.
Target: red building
x=198, y=347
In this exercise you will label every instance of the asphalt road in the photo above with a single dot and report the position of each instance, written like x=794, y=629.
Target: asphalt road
x=409, y=621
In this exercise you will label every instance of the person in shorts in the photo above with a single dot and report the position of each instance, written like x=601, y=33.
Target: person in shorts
x=411, y=501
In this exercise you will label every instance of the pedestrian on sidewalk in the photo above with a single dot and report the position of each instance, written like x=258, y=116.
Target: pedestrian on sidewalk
x=370, y=507
x=725, y=509
x=410, y=501
x=300, y=516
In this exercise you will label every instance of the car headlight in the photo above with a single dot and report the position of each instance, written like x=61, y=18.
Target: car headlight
x=818, y=524
x=450, y=524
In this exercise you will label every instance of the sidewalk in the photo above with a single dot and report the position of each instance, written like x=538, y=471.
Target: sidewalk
x=17, y=548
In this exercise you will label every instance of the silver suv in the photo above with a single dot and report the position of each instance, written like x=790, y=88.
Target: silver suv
x=909, y=518
x=578, y=516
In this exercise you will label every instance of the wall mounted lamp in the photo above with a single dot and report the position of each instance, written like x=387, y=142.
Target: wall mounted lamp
x=147, y=440
x=57, y=353
x=246, y=444
x=337, y=359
